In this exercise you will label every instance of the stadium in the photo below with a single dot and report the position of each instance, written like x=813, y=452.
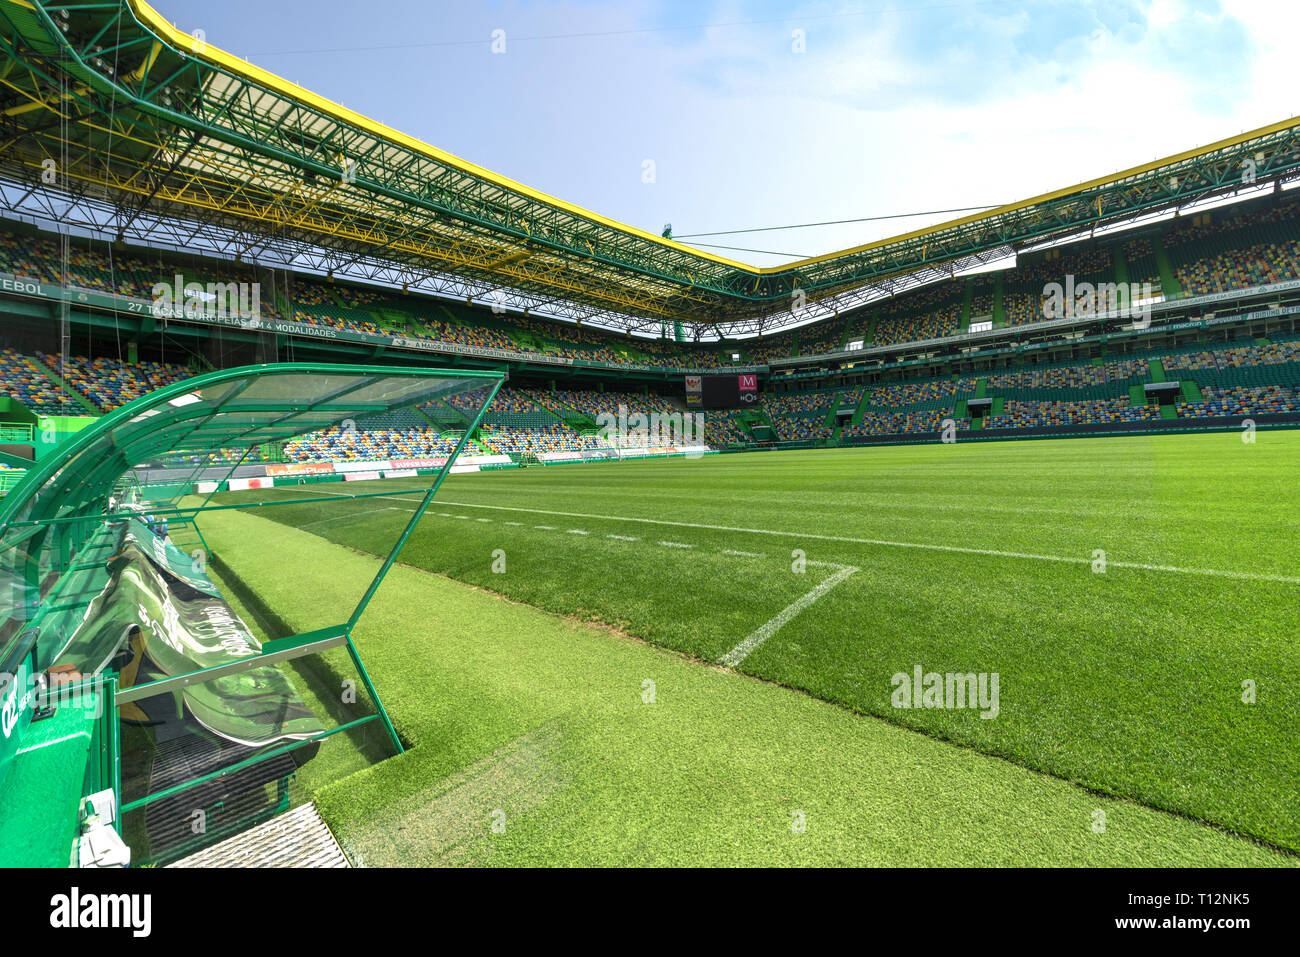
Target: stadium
x=363, y=507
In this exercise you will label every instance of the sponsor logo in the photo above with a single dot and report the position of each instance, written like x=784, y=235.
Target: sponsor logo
x=14, y=706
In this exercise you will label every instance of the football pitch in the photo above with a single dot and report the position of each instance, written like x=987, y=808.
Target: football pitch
x=1125, y=610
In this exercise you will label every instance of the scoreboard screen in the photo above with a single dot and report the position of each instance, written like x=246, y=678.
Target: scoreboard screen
x=721, y=391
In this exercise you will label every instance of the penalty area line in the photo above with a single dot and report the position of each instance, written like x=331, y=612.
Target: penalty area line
x=743, y=650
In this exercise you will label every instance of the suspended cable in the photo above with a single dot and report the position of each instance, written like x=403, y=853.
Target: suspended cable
x=837, y=222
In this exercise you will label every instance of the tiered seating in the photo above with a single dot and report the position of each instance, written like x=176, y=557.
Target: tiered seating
x=1260, y=245
x=30, y=387
x=916, y=393
x=875, y=422
x=1243, y=249
x=594, y=404
x=1141, y=258
x=929, y=313
x=1273, y=353
x=1241, y=268
x=800, y=415
x=106, y=382
x=1243, y=400
x=1019, y=414
x=552, y=438
x=1076, y=382
x=1023, y=298
x=360, y=445
x=723, y=429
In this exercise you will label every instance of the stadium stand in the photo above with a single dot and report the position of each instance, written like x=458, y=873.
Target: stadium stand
x=360, y=445
x=28, y=385
x=1206, y=254
x=110, y=383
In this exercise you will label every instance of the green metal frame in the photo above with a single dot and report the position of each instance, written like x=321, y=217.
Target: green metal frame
x=129, y=428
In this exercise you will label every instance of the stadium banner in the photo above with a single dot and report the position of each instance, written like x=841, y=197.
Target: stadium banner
x=167, y=557
x=640, y=452
x=205, y=488
x=748, y=389
x=343, y=468
x=244, y=484
x=459, y=469
x=694, y=390
x=577, y=455
x=167, y=626
x=401, y=473
x=299, y=468
x=403, y=464
x=360, y=476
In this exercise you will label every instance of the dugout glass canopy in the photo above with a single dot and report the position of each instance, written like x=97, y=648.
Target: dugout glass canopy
x=146, y=688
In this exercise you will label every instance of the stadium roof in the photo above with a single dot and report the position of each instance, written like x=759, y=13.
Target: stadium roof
x=152, y=130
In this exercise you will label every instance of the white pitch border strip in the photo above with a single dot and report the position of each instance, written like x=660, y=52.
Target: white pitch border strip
x=885, y=543
x=743, y=650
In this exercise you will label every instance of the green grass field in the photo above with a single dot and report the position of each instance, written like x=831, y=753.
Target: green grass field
x=969, y=558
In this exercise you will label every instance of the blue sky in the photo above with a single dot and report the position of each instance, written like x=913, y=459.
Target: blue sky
x=892, y=106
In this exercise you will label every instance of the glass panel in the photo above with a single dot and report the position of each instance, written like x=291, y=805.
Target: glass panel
x=155, y=453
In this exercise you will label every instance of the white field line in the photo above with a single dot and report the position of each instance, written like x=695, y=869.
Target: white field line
x=742, y=651
x=884, y=543
x=335, y=518
x=676, y=545
x=577, y=531
x=732, y=551
x=624, y=538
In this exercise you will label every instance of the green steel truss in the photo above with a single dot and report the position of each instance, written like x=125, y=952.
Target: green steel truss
x=144, y=124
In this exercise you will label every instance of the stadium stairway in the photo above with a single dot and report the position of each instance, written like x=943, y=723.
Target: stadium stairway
x=1169, y=284
x=861, y=410
x=444, y=415
x=831, y=408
